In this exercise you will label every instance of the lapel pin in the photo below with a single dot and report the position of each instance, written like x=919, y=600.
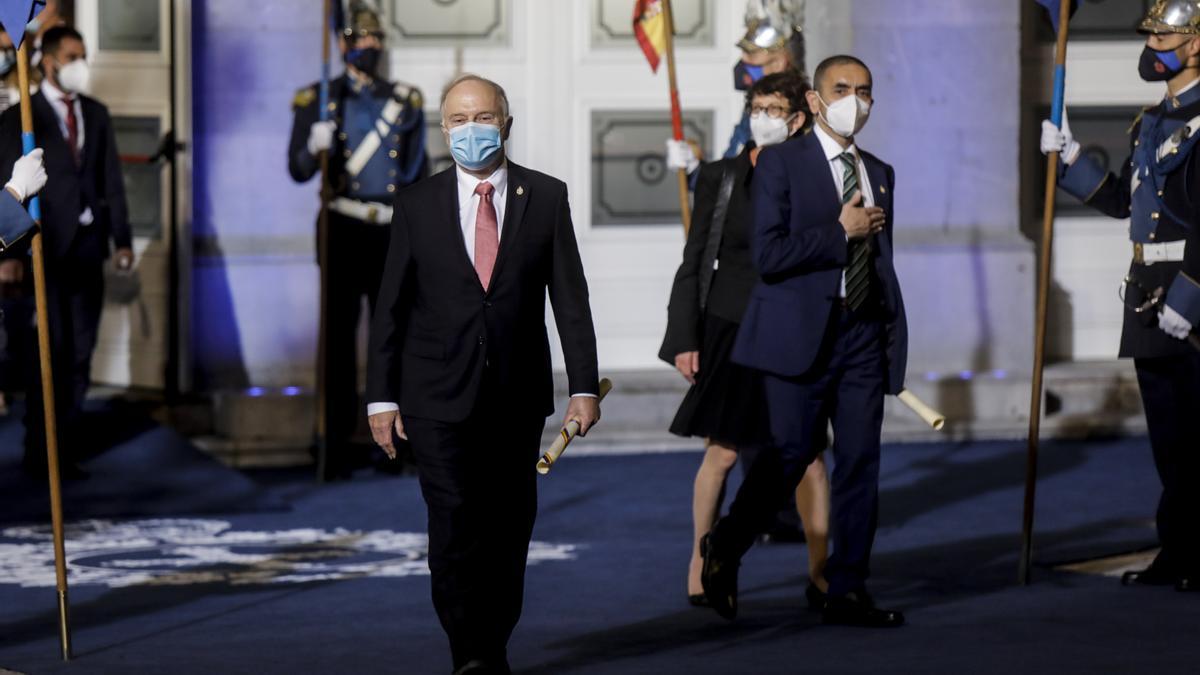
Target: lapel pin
x=520, y=190
x=883, y=189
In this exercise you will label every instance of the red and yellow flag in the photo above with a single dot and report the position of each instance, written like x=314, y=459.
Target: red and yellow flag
x=650, y=28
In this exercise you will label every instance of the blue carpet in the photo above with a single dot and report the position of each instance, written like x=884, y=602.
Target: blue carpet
x=334, y=584
x=138, y=468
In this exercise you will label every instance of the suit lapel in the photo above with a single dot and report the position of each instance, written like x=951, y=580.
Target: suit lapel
x=878, y=179
x=514, y=215
x=91, y=137
x=452, y=222
x=827, y=190
x=50, y=134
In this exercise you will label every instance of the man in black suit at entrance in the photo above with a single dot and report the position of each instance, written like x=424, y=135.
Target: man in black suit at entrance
x=460, y=361
x=826, y=324
x=84, y=220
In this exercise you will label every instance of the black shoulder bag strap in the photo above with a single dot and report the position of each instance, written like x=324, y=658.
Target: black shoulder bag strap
x=713, y=246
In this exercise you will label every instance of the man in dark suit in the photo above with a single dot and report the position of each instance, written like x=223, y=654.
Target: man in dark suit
x=826, y=324
x=460, y=363
x=84, y=219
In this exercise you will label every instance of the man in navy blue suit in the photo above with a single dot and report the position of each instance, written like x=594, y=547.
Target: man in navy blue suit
x=826, y=324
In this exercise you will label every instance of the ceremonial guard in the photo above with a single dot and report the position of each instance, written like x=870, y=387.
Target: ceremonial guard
x=375, y=136
x=1159, y=190
x=773, y=43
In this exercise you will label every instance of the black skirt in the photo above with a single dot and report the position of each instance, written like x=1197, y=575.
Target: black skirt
x=728, y=403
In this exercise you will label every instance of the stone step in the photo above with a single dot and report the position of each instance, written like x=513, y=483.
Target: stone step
x=265, y=427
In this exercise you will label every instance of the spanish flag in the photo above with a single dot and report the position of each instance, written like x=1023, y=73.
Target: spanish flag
x=650, y=28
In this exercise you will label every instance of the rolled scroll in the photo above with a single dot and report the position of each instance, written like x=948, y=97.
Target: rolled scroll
x=932, y=417
x=566, y=435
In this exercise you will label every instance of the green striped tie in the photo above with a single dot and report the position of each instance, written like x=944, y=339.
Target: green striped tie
x=858, y=270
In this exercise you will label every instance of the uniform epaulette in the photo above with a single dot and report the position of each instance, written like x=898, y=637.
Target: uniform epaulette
x=407, y=94
x=1136, y=120
x=304, y=98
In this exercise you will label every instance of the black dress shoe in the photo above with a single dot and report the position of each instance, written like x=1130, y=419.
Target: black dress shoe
x=698, y=600
x=1153, y=575
x=816, y=597
x=719, y=578
x=857, y=609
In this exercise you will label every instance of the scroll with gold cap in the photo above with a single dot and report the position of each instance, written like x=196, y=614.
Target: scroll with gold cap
x=566, y=435
x=932, y=417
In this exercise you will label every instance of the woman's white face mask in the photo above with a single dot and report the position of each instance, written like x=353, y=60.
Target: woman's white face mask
x=768, y=130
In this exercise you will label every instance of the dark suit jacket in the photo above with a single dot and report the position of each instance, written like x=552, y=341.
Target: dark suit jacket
x=800, y=250
x=1111, y=195
x=96, y=183
x=434, y=327
x=729, y=292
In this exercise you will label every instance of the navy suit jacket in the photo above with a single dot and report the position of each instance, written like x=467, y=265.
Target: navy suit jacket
x=97, y=183
x=800, y=250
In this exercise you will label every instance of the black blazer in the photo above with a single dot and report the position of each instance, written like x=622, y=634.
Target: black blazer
x=97, y=183
x=435, y=328
x=727, y=297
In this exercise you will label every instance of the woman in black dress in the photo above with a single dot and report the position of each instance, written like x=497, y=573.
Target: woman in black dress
x=726, y=404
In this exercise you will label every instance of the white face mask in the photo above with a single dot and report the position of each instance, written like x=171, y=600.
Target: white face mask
x=75, y=77
x=767, y=130
x=846, y=116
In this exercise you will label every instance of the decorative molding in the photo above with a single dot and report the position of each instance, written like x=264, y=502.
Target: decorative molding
x=139, y=135
x=612, y=23
x=451, y=23
x=630, y=183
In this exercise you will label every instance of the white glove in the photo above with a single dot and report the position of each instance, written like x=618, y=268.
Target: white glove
x=28, y=175
x=1172, y=323
x=320, y=137
x=1060, y=141
x=681, y=156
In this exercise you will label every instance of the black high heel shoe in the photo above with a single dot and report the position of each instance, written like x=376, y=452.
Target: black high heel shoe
x=698, y=600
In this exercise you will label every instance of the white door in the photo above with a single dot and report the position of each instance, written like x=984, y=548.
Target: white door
x=130, y=46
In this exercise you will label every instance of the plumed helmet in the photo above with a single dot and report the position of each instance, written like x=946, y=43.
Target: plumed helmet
x=1172, y=16
x=775, y=24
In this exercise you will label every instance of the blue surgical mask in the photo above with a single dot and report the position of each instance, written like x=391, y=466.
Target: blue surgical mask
x=8, y=60
x=745, y=75
x=474, y=146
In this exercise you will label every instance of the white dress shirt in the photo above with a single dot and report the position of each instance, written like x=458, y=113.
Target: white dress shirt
x=468, y=209
x=833, y=152
x=55, y=96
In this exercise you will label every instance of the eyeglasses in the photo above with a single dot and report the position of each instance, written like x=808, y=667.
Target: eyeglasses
x=776, y=111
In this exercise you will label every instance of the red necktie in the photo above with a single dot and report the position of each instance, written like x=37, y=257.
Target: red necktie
x=72, y=128
x=487, y=234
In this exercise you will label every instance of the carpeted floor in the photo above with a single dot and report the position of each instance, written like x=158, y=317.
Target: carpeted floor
x=334, y=582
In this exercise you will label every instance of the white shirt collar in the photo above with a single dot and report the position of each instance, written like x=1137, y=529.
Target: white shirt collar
x=831, y=147
x=499, y=180
x=54, y=93
x=1190, y=86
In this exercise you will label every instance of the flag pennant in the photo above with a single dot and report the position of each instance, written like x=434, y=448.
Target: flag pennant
x=14, y=14
x=650, y=29
x=1053, y=7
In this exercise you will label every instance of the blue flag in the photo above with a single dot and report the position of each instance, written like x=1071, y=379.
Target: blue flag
x=15, y=222
x=1053, y=7
x=14, y=14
